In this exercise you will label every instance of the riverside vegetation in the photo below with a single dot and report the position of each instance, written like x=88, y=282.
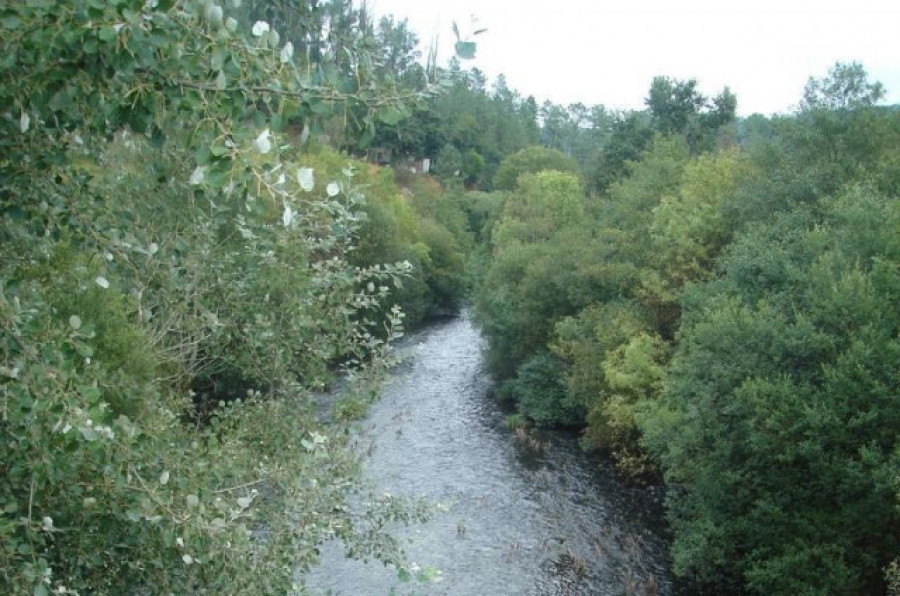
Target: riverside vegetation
x=178, y=275
x=190, y=251
x=722, y=310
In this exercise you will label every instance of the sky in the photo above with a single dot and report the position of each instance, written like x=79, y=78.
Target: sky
x=608, y=51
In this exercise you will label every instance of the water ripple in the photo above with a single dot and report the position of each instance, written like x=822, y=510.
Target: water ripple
x=514, y=522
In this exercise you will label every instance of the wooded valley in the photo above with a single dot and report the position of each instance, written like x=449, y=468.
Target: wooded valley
x=212, y=213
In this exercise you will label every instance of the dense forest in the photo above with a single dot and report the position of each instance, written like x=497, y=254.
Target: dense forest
x=211, y=213
x=724, y=314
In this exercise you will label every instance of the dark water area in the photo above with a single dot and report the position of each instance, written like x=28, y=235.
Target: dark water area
x=513, y=519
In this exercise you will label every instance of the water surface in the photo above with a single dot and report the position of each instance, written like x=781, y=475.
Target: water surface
x=513, y=521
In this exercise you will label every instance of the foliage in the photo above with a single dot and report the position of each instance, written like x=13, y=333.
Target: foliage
x=482, y=210
x=689, y=230
x=673, y=103
x=419, y=225
x=448, y=164
x=630, y=135
x=576, y=130
x=845, y=88
x=515, y=421
x=165, y=247
x=530, y=161
x=675, y=108
x=727, y=316
x=548, y=263
x=678, y=107
x=516, y=300
x=628, y=204
x=778, y=425
x=338, y=43
x=634, y=373
x=892, y=574
x=540, y=393
x=472, y=167
x=586, y=342
x=815, y=154
x=545, y=203
x=469, y=129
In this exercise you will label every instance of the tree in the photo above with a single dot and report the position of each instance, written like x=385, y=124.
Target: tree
x=689, y=230
x=448, y=164
x=517, y=303
x=845, y=88
x=628, y=204
x=612, y=363
x=815, y=153
x=166, y=249
x=630, y=134
x=778, y=421
x=531, y=160
x=398, y=47
x=544, y=204
x=722, y=111
x=673, y=104
x=472, y=167
x=677, y=107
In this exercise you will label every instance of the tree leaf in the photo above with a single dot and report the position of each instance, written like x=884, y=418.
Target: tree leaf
x=466, y=49
x=107, y=34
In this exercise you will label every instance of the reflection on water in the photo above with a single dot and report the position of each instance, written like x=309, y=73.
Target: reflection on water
x=515, y=520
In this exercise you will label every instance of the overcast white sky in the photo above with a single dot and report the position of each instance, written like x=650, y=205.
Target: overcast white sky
x=608, y=51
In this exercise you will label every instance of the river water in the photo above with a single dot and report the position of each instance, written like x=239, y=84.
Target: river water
x=513, y=519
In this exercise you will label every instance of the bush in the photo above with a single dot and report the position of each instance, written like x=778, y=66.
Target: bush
x=531, y=161
x=157, y=235
x=778, y=423
x=541, y=394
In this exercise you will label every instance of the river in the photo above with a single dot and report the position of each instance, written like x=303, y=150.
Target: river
x=513, y=520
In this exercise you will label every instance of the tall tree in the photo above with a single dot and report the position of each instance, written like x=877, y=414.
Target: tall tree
x=673, y=103
x=398, y=49
x=678, y=107
x=846, y=87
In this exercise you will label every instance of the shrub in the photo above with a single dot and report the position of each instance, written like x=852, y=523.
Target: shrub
x=541, y=393
x=157, y=235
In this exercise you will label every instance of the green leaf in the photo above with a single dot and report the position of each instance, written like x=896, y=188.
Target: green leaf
x=84, y=350
x=319, y=107
x=219, y=56
x=391, y=116
x=10, y=22
x=157, y=137
x=203, y=155
x=107, y=34
x=466, y=49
